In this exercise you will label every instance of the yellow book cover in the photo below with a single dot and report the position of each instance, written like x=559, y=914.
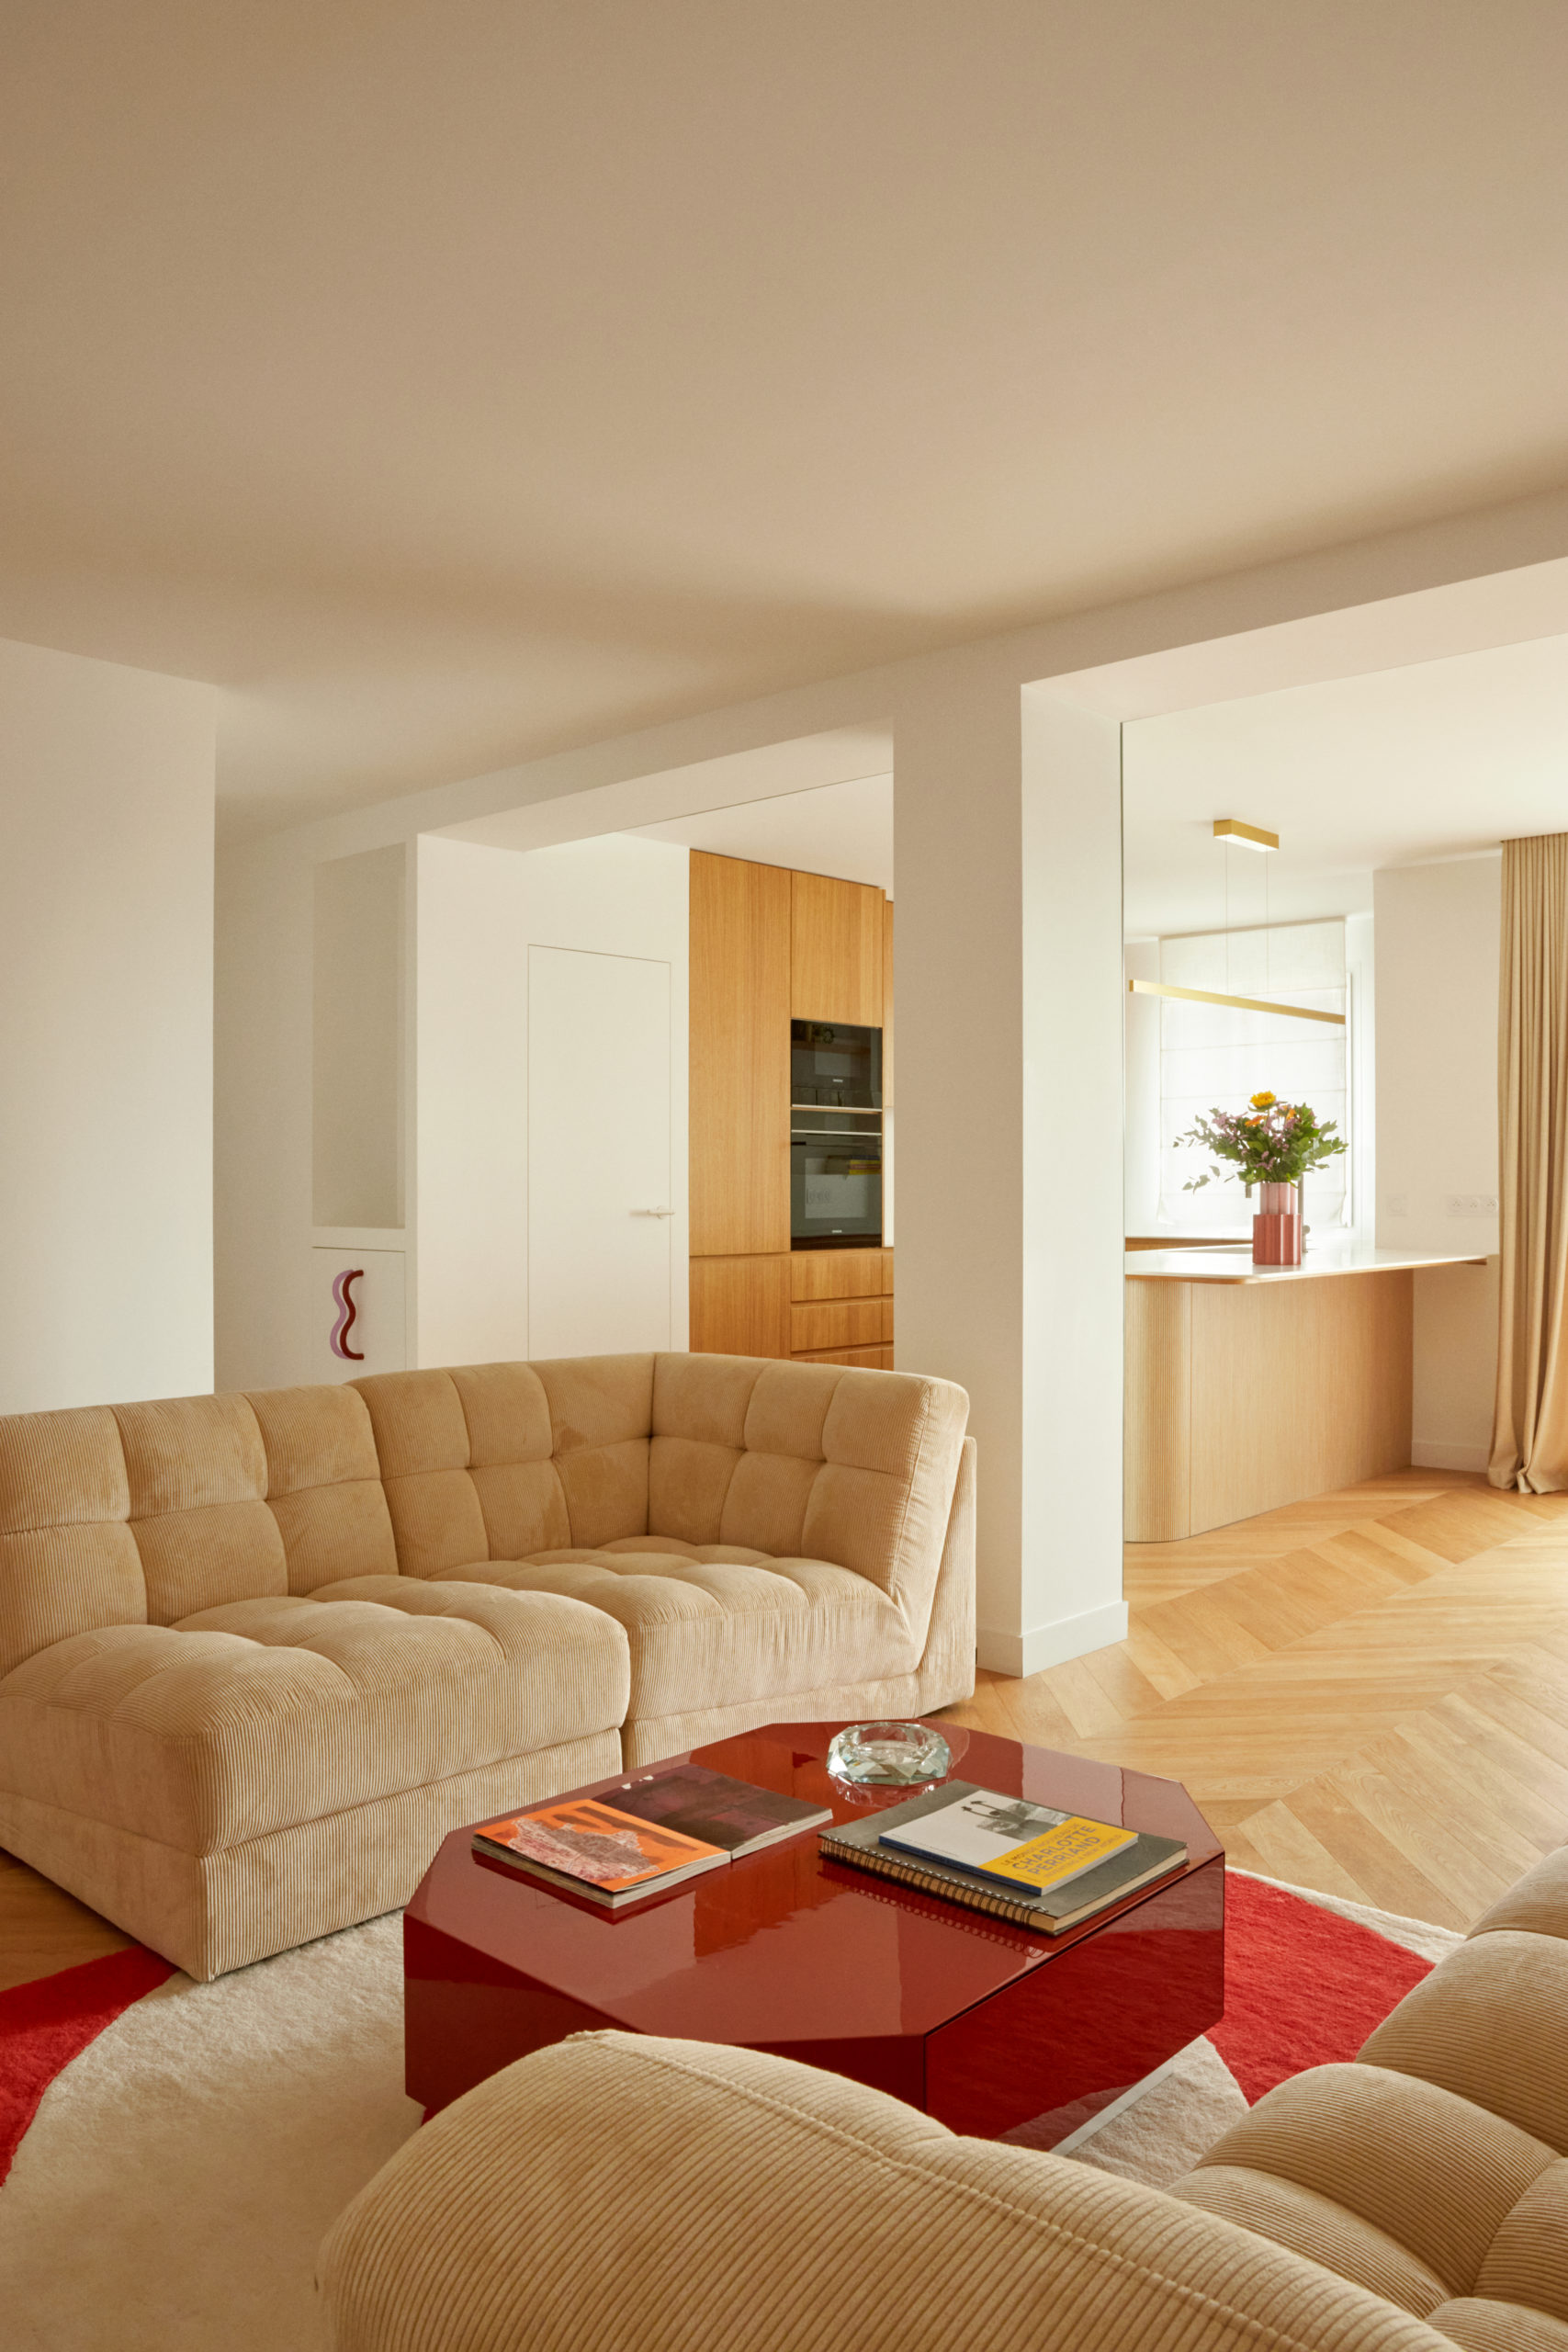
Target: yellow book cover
x=1011, y=1840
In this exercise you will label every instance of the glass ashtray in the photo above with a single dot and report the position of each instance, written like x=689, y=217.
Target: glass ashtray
x=899, y=1753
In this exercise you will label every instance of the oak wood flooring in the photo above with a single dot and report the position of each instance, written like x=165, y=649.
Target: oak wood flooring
x=1366, y=1694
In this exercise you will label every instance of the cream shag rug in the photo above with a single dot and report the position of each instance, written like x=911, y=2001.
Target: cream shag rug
x=181, y=2172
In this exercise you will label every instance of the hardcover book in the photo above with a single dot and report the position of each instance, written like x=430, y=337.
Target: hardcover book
x=712, y=1806
x=653, y=1831
x=1049, y=1911
x=1023, y=1845
x=594, y=1849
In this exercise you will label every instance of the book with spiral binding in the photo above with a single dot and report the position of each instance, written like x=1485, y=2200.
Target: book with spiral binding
x=1050, y=1912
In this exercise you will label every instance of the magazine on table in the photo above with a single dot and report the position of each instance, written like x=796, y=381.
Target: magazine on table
x=654, y=1831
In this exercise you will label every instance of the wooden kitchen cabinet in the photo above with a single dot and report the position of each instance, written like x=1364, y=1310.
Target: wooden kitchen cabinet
x=740, y=1047
x=768, y=945
x=840, y=1273
x=834, y=950
x=741, y=1306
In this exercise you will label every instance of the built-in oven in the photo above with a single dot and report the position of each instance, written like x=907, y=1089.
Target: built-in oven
x=835, y=1135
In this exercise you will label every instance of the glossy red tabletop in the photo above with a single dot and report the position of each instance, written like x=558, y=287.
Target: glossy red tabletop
x=787, y=1950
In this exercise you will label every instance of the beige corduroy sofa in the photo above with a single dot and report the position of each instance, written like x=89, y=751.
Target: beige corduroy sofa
x=614, y=2194
x=258, y=1652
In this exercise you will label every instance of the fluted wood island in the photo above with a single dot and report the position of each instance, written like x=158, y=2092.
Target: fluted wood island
x=1249, y=1386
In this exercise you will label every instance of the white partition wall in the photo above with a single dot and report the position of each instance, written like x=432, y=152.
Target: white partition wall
x=574, y=957
x=106, y=1049
x=1008, y=844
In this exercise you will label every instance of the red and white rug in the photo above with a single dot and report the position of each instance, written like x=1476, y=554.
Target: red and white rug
x=180, y=2150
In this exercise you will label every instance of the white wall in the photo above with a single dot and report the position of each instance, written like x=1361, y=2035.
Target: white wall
x=106, y=1049
x=1435, y=931
x=262, y=1155
x=479, y=911
x=1007, y=822
x=1140, y=1059
x=358, y=1055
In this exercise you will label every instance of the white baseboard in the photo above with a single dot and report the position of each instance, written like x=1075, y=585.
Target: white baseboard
x=1042, y=1645
x=1432, y=1453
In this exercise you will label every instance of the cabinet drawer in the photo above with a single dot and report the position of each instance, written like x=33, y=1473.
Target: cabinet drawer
x=838, y=1323
x=839, y=1274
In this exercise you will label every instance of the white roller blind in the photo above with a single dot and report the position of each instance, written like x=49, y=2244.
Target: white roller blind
x=1214, y=1057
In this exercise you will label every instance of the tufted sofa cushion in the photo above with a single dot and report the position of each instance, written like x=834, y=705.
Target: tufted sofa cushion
x=717, y=1621
x=1434, y=2169
x=727, y=1455
x=763, y=1531
x=259, y=1715
x=142, y=1514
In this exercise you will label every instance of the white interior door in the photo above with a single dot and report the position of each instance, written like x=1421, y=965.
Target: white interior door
x=599, y=1174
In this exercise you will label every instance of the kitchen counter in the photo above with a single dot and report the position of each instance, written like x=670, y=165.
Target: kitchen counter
x=1250, y=1387
x=1233, y=1263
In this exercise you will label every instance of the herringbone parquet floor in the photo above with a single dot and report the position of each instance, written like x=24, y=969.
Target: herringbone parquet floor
x=1367, y=1693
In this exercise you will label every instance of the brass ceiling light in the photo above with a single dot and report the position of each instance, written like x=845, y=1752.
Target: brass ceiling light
x=1232, y=831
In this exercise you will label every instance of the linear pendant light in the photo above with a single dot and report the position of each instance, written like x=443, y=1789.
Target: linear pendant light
x=1242, y=1003
x=1230, y=829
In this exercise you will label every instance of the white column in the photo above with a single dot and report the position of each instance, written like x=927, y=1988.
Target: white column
x=1008, y=882
x=106, y=1055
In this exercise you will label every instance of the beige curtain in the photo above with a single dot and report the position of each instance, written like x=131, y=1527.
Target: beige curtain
x=1529, y=1435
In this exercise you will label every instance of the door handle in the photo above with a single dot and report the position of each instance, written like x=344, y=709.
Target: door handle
x=653, y=1212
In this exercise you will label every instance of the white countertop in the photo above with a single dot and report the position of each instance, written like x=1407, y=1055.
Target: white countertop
x=1234, y=1265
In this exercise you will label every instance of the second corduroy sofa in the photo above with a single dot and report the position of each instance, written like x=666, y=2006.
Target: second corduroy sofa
x=259, y=1652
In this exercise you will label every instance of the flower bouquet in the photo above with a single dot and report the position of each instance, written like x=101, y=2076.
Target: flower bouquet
x=1272, y=1144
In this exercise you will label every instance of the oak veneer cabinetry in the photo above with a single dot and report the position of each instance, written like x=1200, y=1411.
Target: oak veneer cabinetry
x=770, y=945
x=741, y=1306
x=842, y=1307
x=834, y=950
x=739, y=1033
x=1243, y=1396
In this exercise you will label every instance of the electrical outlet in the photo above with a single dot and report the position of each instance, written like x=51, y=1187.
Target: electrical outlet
x=1472, y=1203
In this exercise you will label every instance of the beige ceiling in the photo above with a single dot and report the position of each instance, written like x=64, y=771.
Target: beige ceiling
x=457, y=380
x=1397, y=768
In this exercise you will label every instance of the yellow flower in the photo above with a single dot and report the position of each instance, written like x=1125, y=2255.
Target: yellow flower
x=1262, y=1102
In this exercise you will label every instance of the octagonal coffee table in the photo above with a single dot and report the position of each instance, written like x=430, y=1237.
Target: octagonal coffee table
x=995, y=2030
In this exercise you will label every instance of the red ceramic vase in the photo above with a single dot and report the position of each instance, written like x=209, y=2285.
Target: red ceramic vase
x=1276, y=1227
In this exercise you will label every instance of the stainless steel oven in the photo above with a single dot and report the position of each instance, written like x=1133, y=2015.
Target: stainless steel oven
x=835, y=1135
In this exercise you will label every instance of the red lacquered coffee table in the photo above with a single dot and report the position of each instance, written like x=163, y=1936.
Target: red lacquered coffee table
x=996, y=2030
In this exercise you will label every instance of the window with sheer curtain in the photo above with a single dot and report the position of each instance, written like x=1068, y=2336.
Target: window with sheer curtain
x=1213, y=1056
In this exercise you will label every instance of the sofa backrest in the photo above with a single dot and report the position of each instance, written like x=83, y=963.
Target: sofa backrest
x=823, y=1461
x=136, y=1514
x=494, y=1462
x=131, y=1514
x=490, y=1462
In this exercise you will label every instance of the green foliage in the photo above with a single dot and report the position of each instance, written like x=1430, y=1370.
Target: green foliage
x=1269, y=1143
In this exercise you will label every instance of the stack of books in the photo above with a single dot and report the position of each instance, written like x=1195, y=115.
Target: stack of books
x=1021, y=1862
x=654, y=1831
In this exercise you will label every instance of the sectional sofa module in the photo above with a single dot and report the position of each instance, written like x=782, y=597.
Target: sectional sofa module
x=258, y=1652
x=660, y=2196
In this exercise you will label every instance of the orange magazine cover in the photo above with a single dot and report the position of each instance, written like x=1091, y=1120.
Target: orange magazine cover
x=584, y=1840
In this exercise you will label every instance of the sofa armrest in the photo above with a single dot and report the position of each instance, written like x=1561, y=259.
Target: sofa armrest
x=622, y=2194
x=947, y=1665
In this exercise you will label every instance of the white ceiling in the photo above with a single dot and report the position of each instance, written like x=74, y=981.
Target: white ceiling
x=1442, y=759
x=453, y=381
x=842, y=829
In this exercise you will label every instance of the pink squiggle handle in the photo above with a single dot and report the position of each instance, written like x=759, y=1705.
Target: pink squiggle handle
x=346, y=1313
